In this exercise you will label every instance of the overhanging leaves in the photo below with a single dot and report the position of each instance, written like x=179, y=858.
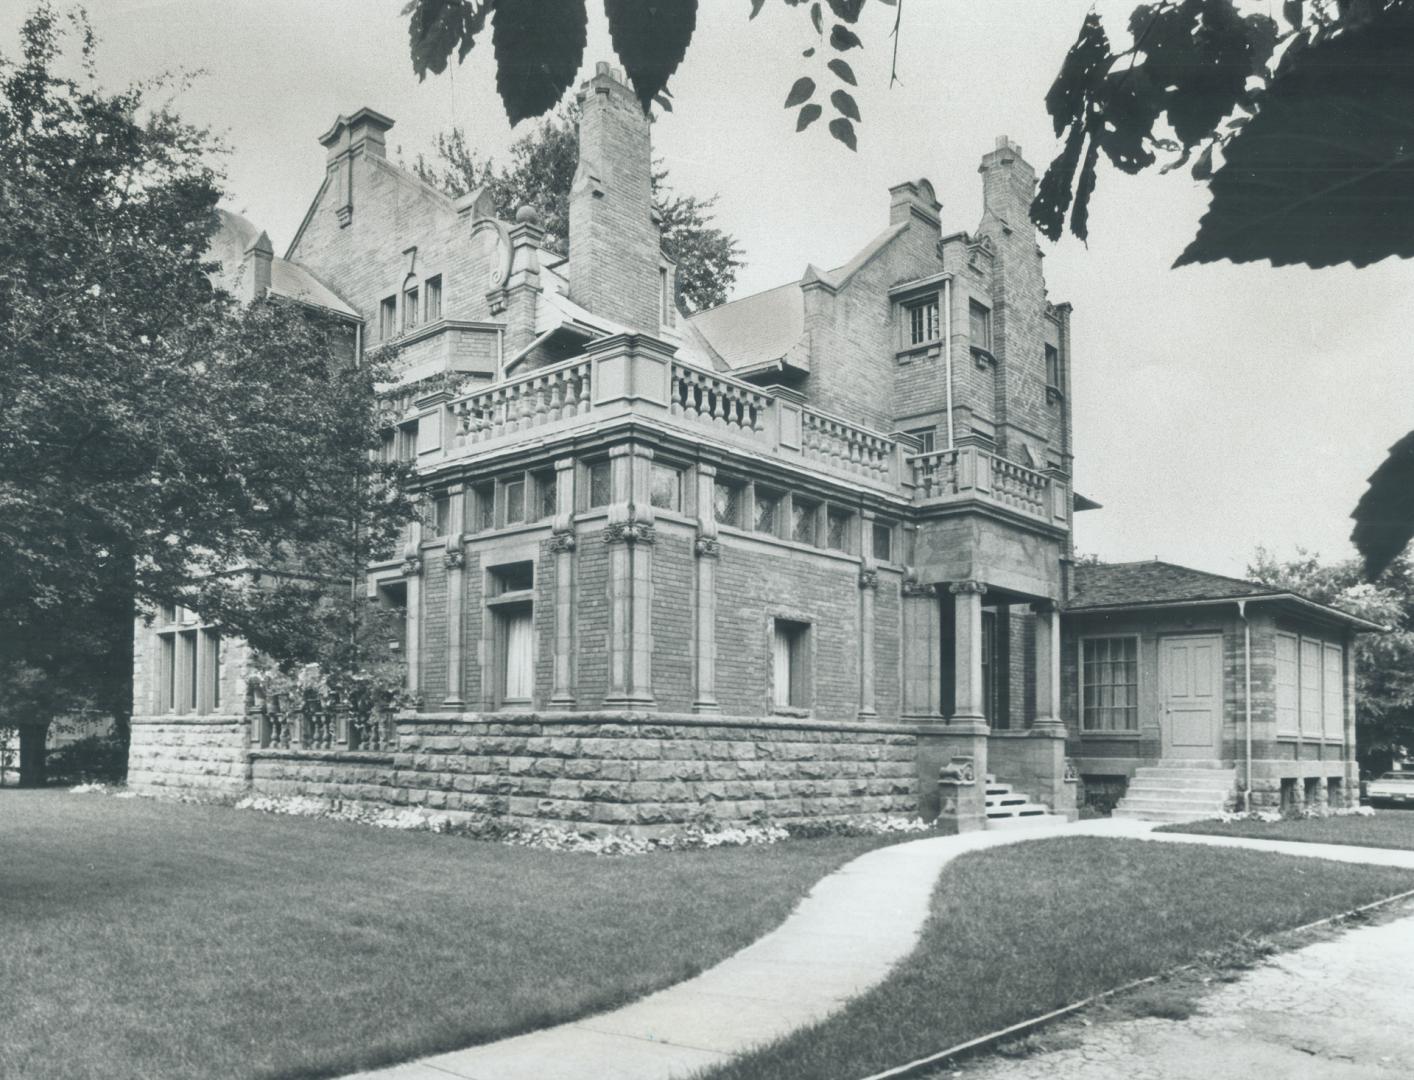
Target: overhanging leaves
x=1384, y=517
x=539, y=46
x=436, y=27
x=651, y=40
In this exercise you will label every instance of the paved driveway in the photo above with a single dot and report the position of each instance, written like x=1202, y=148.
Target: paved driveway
x=1337, y=1010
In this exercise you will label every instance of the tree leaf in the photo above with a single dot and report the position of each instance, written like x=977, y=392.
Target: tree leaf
x=817, y=17
x=842, y=38
x=1080, y=215
x=843, y=130
x=539, y=46
x=809, y=52
x=1384, y=517
x=848, y=10
x=436, y=27
x=1048, y=208
x=844, y=104
x=756, y=6
x=1203, y=167
x=842, y=71
x=1081, y=73
x=1291, y=11
x=651, y=40
x=801, y=91
x=808, y=115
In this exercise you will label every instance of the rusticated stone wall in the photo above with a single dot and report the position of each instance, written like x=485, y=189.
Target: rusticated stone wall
x=205, y=755
x=612, y=770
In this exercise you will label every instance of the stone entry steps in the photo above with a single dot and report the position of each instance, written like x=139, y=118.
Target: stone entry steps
x=1174, y=792
x=1008, y=808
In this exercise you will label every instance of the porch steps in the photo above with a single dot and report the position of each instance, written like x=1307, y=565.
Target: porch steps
x=1178, y=793
x=1008, y=808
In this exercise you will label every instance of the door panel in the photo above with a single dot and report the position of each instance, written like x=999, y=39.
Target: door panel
x=1190, y=690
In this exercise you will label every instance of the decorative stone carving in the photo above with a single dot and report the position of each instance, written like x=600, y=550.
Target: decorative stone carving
x=958, y=588
x=868, y=579
x=1072, y=776
x=911, y=587
x=707, y=547
x=958, y=770
x=412, y=566
x=562, y=541
x=456, y=558
x=628, y=532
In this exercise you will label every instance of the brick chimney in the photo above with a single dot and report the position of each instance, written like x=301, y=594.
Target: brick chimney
x=914, y=200
x=352, y=137
x=615, y=245
x=1008, y=184
x=256, y=267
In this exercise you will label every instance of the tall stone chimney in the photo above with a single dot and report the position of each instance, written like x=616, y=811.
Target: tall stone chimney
x=615, y=245
x=352, y=137
x=1008, y=184
x=256, y=269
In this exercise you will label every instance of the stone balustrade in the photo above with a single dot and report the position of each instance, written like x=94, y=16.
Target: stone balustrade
x=844, y=446
x=315, y=724
x=971, y=473
x=701, y=396
x=540, y=398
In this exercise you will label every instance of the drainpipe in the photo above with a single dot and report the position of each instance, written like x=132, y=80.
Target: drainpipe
x=1247, y=700
x=947, y=352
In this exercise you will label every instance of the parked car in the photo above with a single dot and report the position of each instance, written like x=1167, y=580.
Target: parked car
x=1394, y=788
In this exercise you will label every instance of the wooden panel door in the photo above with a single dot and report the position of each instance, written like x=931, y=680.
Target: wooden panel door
x=1191, y=696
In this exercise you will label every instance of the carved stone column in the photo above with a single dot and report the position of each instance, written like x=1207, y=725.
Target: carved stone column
x=562, y=544
x=922, y=684
x=456, y=593
x=868, y=587
x=707, y=549
x=629, y=534
x=1048, y=668
x=969, y=702
x=412, y=575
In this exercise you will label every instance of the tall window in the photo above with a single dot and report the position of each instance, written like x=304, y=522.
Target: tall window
x=1053, y=377
x=481, y=508
x=768, y=512
x=410, y=305
x=803, y=516
x=512, y=609
x=188, y=663
x=1109, y=683
x=514, y=494
x=1310, y=687
x=666, y=487
x=837, y=530
x=726, y=503
x=600, y=484
x=387, y=317
x=789, y=657
x=432, y=299
x=980, y=320
x=883, y=542
x=922, y=317
x=545, y=498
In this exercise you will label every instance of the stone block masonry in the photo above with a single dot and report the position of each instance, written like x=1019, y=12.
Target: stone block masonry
x=642, y=774
x=201, y=756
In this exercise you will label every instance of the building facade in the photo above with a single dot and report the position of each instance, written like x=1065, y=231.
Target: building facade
x=804, y=554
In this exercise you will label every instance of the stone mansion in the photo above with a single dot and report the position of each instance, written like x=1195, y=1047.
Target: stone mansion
x=804, y=554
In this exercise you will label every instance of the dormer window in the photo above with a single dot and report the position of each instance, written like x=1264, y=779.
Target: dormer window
x=922, y=325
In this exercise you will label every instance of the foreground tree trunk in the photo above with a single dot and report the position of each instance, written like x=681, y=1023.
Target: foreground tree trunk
x=33, y=771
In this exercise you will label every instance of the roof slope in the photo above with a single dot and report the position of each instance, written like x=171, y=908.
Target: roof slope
x=756, y=329
x=1117, y=584
x=235, y=235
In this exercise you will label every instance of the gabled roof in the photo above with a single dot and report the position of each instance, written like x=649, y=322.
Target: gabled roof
x=235, y=235
x=755, y=329
x=1117, y=586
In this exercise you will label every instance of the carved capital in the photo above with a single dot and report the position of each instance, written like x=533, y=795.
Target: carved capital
x=1072, y=775
x=958, y=770
x=456, y=558
x=628, y=532
x=910, y=587
x=868, y=579
x=959, y=588
x=708, y=547
x=562, y=541
x=412, y=566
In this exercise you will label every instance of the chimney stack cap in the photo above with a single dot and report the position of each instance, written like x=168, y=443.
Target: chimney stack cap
x=365, y=126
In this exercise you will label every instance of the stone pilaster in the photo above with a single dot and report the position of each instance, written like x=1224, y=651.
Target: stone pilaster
x=704, y=639
x=969, y=703
x=562, y=544
x=922, y=684
x=1048, y=668
x=629, y=534
x=868, y=587
x=456, y=594
x=412, y=575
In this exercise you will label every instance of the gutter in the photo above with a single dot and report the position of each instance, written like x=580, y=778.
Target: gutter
x=1295, y=598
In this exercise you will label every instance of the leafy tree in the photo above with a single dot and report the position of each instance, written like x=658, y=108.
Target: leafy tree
x=1384, y=663
x=540, y=173
x=162, y=443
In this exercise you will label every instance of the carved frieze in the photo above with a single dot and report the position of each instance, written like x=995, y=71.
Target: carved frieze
x=958, y=770
x=628, y=532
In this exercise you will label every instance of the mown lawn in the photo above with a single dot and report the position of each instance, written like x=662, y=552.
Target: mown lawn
x=1386, y=829
x=147, y=940
x=1020, y=930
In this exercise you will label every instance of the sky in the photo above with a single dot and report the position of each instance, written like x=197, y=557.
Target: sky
x=1216, y=408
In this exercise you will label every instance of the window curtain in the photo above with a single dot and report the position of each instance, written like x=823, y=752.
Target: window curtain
x=780, y=668
x=520, y=660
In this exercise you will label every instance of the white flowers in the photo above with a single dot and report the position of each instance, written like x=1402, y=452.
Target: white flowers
x=89, y=789
x=1271, y=817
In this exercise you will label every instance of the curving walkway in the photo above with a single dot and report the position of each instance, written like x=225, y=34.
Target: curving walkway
x=842, y=939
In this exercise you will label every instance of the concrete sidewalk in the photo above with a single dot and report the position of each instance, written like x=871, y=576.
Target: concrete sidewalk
x=840, y=941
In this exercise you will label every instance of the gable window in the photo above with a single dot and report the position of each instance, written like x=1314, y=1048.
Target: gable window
x=921, y=321
x=666, y=487
x=1109, y=684
x=789, y=656
x=432, y=299
x=600, y=484
x=409, y=307
x=802, y=525
x=388, y=317
x=883, y=541
x=726, y=503
x=837, y=530
x=980, y=322
x=768, y=512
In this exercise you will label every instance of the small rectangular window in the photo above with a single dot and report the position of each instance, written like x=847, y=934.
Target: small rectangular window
x=167, y=614
x=481, y=508
x=388, y=317
x=883, y=542
x=923, y=321
x=925, y=437
x=1053, y=366
x=407, y=441
x=726, y=503
x=803, y=515
x=981, y=324
x=545, y=494
x=666, y=489
x=514, y=492
x=789, y=656
x=512, y=577
x=768, y=512
x=837, y=530
x=432, y=299
x=410, y=309
x=439, y=520
x=600, y=484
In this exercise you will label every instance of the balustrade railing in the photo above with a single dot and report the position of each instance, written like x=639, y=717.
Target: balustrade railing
x=705, y=397
x=1016, y=485
x=539, y=398
x=843, y=446
x=968, y=471
x=310, y=722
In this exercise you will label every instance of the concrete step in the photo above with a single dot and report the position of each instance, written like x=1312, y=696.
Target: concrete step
x=1028, y=822
x=1121, y=811
x=1200, y=791
x=1219, y=796
x=998, y=789
x=1210, y=807
x=1196, y=772
x=1006, y=800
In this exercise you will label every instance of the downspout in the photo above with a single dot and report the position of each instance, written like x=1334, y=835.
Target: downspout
x=947, y=353
x=1247, y=701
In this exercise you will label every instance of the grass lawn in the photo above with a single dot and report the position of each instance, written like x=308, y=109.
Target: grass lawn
x=145, y=939
x=1387, y=829
x=1017, y=931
